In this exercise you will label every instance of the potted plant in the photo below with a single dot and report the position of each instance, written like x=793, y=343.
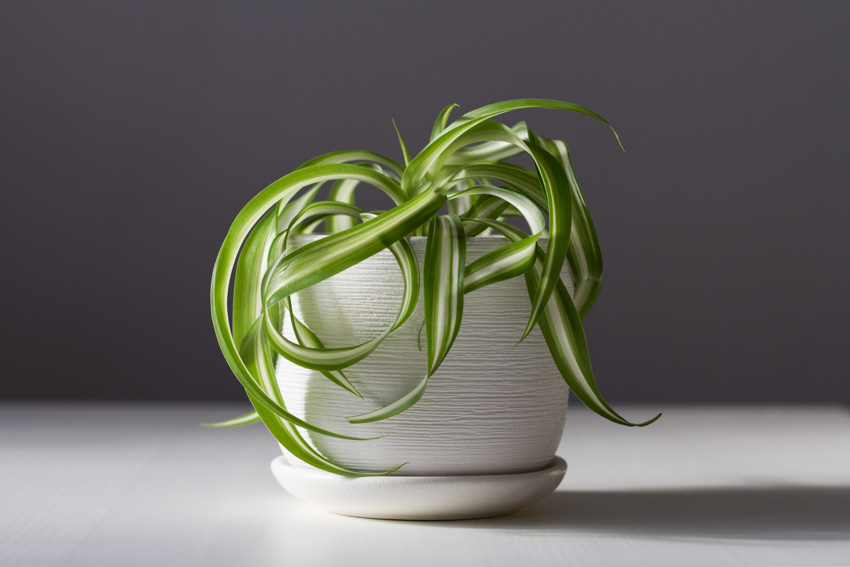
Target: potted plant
x=349, y=343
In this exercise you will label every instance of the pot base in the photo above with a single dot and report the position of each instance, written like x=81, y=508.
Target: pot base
x=419, y=497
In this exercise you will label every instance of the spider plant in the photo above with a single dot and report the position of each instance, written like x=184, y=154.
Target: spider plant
x=463, y=169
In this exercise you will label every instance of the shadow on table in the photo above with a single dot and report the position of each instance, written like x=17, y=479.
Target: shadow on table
x=733, y=513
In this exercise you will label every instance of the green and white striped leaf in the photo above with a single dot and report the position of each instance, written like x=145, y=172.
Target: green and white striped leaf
x=356, y=156
x=440, y=122
x=526, y=182
x=313, y=226
x=309, y=352
x=258, y=357
x=329, y=359
x=320, y=209
x=460, y=165
x=584, y=255
x=446, y=282
x=289, y=437
x=445, y=260
x=483, y=207
x=513, y=259
x=490, y=151
x=401, y=143
x=433, y=155
x=307, y=338
x=247, y=419
x=556, y=185
x=533, y=216
x=460, y=205
x=304, y=335
x=291, y=209
x=504, y=263
x=247, y=302
x=554, y=182
x=341, y=192
x=253, y=262
x=283, y=189
x=445, y=255
x=562, y=329
x=394, y=408
x=321, y=259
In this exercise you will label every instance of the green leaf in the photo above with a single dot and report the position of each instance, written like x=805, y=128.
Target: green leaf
x=312, y=226
x=497, y=108
x=490, y=151
x=283, y=189
x=258, y=359
x=394, y=408
x=248, y=301
x=293, y=208
x=460, y=205
x=319, y=209
x=483, y=207
x=556, y=185
x=248, y=418
x=512, y=175
x=355, y=156
x=460, y=166
x=445, y=256
x=292, y=441
x=447, y=281
x=342, y=192
x=435, y=153
x=527, y=208
x=318, y=357
x=442, y=118
x=511, y=260
x=321, y=259
x=584, y=255
x=401, y=143
x=307, y=338
x=501, y=264
x=253, y=262
x=564, y=335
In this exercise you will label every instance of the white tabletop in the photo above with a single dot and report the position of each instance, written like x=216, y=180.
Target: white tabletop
x=125, y=485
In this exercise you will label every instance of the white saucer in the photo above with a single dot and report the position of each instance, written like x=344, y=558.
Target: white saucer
x=419, y=497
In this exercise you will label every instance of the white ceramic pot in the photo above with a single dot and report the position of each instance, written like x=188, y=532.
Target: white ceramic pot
x=491, y=408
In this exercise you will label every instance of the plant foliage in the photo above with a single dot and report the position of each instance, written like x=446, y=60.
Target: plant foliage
x=463, y=167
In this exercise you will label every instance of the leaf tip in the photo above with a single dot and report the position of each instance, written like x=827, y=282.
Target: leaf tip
x=349, y=387
x=374, y=438
x=617, y=136
x=528, y=328
x=391, y=471
x=648, y=422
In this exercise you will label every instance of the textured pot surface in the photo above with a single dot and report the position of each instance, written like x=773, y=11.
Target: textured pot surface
x=491, y=408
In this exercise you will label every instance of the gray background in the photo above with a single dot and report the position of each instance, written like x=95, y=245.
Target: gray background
x=132, y=133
